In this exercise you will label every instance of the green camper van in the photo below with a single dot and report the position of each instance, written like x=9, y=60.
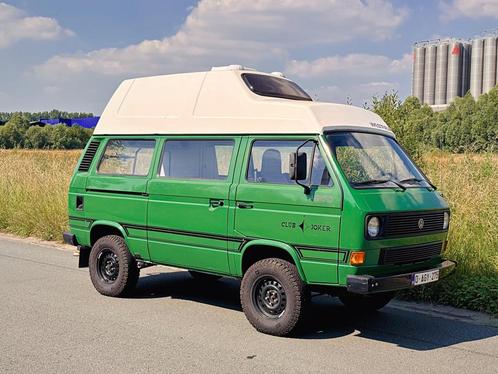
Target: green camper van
x=238, y=173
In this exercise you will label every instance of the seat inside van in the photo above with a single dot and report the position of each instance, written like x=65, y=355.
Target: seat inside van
x=271, y=167
x=190, y=159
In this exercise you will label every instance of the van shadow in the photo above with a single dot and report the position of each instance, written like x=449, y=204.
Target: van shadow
x=326, y=318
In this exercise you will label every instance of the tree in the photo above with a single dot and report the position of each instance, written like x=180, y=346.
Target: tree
x=38, y=137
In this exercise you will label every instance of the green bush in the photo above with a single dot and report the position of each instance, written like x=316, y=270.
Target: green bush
x=53, y=114
x=466, y=125
x=14, y=135
x=17, y=132
x=38, y=137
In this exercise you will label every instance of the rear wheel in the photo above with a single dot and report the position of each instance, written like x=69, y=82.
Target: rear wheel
x=366, y=303
x=197, y=275
x=113, y=270
x=273, y=296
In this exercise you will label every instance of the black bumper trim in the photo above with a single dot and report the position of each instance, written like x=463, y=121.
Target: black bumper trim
x=69, y=238
x=367, y=284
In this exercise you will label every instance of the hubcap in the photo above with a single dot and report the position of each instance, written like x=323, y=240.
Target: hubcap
x=108, y=266
x=269, y=297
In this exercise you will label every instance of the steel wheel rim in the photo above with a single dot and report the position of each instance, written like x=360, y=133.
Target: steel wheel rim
x=108, y=266
x=269, y=297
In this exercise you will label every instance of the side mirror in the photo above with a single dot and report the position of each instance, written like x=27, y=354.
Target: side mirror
x=298, y=164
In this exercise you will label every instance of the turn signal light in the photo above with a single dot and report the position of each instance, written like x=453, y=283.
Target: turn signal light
x=357, y=258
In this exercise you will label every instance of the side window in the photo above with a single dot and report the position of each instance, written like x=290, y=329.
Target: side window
x=196, y=159
x=269, y=162
x=127, y=157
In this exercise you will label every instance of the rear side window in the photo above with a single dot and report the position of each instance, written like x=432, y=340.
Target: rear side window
x=269, y=162
x=266, y=85
x=127, y=157
x=196, y=159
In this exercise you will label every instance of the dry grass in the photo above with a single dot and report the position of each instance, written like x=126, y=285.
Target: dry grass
x=33, y=193
x=470, y=185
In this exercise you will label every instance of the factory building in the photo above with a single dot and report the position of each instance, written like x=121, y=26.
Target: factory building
x=446, y=69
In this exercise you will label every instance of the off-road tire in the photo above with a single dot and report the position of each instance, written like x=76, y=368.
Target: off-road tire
x=294, y=289
x=127, y=273
x=366, y=303
x=197, y=275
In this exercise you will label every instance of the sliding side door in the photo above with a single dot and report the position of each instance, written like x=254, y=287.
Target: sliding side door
x=189, y=199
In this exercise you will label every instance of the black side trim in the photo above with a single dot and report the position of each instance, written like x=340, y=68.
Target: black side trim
x=181, y=232
x=242, y=241
x=87, y=159
x=321, y=249
x=74, y=218
x=134, y=193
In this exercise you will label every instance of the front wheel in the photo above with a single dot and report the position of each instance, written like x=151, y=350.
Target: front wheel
x=366, y=303
x=273, y=296
x=113, y=270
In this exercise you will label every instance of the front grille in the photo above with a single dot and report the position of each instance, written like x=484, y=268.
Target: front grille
x=407, y=255
x=407, y=224
x=87, y=159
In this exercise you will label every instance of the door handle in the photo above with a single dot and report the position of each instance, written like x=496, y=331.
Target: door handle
x=215, y=203
x=242, y=205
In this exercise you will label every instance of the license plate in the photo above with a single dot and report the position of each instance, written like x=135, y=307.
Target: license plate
x=425, y=277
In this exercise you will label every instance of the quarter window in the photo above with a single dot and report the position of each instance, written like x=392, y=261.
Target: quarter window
x=269, y=163
x=196, y=159
x=127, y=157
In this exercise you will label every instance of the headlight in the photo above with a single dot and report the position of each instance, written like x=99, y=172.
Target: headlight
x=446, y=221
x=373, y=226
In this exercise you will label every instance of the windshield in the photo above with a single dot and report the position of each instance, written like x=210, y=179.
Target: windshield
x=374, y=161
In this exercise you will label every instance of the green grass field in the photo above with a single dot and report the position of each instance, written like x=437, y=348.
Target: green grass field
x=33, y=193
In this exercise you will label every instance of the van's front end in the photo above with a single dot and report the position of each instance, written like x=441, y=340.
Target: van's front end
x=394, y=224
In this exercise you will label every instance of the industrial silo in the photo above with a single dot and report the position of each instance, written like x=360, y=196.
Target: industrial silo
x=489, y=64
x=466, y=58
x=429, y=74
x=476, y=67
x=454, y=71
x=441, y=74
x=418, y=73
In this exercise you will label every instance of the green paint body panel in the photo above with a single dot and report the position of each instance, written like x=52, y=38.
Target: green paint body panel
x=174, y=221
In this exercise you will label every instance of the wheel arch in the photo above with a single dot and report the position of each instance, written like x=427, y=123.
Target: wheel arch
x=259, y=249
x=102, y=228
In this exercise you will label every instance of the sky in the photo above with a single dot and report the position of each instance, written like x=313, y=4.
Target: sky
x=72, y=55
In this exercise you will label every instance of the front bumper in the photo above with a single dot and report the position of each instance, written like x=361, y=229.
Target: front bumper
x=367, y=284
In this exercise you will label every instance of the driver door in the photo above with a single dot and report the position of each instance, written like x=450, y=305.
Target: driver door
x=270, y=205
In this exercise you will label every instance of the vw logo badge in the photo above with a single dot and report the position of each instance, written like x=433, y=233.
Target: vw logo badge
x=421, y=223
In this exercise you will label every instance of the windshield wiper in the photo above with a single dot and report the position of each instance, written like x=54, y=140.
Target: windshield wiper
x=411, y=180
x=417, y=180
x=380, y=181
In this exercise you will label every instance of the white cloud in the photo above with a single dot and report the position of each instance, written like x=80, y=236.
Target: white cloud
x=469, y=8
x=15, y=25
x=254, y=32
x=358, y=93
x=356, y=64
x=355, y=77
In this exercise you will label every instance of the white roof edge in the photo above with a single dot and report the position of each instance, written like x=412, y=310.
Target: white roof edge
x=219, y=102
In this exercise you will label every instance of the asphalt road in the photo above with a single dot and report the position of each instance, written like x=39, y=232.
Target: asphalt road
x=54, y=321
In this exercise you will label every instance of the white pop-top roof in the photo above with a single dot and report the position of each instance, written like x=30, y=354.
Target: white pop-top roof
x=219, y=102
